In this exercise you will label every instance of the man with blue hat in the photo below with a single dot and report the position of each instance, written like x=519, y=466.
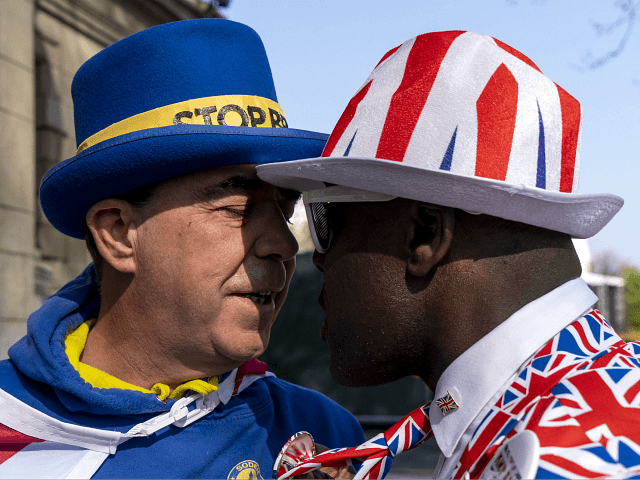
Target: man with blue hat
x=145, y=364
x=444, y=203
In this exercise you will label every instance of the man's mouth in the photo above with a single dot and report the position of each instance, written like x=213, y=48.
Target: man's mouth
x=261, y=298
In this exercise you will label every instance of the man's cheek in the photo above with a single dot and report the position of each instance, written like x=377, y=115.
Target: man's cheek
x=290, y=267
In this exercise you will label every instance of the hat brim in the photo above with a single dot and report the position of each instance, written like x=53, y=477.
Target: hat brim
x=130, y=161
x=579, y=215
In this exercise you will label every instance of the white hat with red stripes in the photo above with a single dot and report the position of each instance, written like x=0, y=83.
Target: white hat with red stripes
x=461, y=120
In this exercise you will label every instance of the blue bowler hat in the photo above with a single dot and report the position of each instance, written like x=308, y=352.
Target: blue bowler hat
x=170, y=100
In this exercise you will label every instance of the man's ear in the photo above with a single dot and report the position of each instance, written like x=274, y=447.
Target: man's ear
x=113, y=228
x=431, y=238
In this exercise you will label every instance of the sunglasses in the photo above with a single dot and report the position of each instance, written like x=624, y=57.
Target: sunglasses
x=316, y=203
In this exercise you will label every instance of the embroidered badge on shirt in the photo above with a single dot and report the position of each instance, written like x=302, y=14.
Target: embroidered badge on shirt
x=447, y=404
x=246, y=469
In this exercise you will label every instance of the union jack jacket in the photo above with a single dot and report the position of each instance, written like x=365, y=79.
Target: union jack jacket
x=580, y=395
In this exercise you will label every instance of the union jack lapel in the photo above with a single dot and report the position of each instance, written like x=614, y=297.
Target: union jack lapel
x=447, y=404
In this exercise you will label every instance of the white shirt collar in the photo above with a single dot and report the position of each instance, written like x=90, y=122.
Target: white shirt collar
x=476, y=375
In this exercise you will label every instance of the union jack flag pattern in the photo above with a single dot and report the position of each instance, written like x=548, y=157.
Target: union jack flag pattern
x=373, y=458
x=580, y=395
x=12, y=442
x=502, y=124
x=447, y=404
x=23, y=456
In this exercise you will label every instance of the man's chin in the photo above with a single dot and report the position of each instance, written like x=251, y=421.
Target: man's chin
x=243, y=353
x=249, y=354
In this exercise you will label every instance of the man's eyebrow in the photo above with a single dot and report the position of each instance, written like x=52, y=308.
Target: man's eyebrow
x=241, y=183
x=229, y=185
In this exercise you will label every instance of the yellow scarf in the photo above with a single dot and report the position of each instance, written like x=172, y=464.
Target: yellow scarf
x=74, y=345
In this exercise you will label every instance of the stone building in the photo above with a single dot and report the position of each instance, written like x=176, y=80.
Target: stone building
x=42, y=44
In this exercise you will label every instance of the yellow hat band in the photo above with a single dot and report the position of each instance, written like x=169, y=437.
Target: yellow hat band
x=232, y=110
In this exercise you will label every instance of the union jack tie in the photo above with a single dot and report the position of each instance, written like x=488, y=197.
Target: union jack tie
x=373, y=458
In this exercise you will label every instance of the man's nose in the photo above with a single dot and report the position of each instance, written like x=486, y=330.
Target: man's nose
x=276, y=239
x=318, y=260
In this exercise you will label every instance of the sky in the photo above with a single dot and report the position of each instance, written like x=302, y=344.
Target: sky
x=322, y=51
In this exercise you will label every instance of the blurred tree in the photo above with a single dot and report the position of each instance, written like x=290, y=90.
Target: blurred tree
x=622, y=26
x=608, y=263
x=624, y=23
x=632, y=280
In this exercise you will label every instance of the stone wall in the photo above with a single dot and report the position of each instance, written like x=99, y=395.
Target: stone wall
x=42, y=44
x=18, y=254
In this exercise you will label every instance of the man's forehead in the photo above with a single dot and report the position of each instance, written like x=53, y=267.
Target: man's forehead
x=233, y=182
x=239, y=179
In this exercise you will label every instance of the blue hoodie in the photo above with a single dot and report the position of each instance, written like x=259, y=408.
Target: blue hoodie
x=252, y=427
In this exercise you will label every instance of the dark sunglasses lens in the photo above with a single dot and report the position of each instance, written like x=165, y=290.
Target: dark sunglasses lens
x=321, y=224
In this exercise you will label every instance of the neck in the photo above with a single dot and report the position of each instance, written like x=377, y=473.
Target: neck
x=137, y=342
x=493, y=290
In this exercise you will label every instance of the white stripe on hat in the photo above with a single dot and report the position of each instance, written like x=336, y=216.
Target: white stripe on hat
x=446, y=109
x=550, y=110
x=523, y=161
x=372, y=112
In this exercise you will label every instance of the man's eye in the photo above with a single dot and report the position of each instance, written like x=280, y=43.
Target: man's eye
x=236, y=212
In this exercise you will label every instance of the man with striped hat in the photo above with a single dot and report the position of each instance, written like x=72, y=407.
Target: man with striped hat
x=144, y=366
x=442, y=211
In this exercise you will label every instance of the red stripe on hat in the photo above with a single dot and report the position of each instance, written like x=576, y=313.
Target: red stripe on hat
x=570, y=108
x=388, y=54
x=516, y=54
x=497, y=107
x=345, y=120
x=407, y=102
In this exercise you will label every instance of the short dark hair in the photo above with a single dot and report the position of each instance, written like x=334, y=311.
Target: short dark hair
x=137, y=198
